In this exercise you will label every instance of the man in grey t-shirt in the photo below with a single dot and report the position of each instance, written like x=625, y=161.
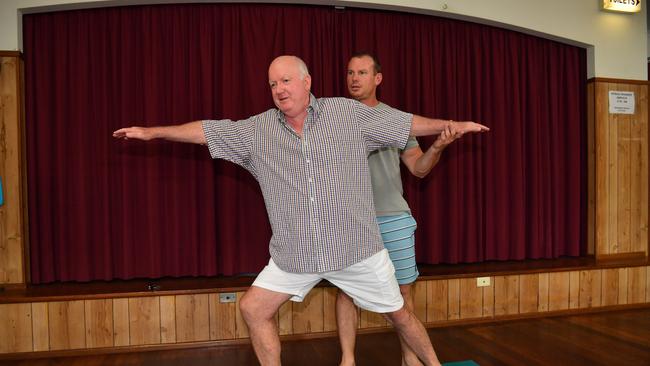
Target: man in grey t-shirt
x=396, y=224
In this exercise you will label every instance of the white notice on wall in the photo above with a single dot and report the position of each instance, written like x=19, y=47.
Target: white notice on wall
x=621, y=102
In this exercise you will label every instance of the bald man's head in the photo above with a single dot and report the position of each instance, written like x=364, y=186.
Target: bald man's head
x=290, y=84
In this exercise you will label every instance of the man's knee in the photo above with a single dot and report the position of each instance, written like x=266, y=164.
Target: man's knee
x=260, y=304
x=398, y=317
x=247, y=306
x=252, y=307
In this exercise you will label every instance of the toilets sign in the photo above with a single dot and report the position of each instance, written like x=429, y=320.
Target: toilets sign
x=621, y=102
x=625, y=6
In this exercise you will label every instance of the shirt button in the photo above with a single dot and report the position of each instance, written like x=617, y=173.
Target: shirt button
x=310, y=180
x=307, y=161
x=311, y=199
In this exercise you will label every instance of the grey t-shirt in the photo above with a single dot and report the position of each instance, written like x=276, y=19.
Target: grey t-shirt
x=385, y=176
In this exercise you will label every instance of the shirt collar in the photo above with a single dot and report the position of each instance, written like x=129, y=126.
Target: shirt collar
x=313, y=104
x=313, y=107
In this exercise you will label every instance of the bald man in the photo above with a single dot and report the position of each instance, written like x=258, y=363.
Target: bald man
x=310, y=158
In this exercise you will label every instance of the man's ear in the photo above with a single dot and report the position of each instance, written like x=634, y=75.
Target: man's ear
x=308, y=82
x=378, y=78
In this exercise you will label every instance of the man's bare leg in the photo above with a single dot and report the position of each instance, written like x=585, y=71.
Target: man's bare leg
x=413, y=333
x=346, y=323
x=409, y=358
x=258, y=307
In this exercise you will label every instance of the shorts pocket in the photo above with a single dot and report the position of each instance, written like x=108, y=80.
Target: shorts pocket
x=382, y=266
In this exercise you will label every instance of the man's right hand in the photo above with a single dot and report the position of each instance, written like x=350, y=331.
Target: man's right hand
x=191, y=132
x=140, y=133
x=446, y=137
x=469, y=126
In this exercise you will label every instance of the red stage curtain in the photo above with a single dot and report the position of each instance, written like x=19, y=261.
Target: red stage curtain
x=102, y=209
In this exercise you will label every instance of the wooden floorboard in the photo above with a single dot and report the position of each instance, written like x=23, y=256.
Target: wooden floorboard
x=610, y=338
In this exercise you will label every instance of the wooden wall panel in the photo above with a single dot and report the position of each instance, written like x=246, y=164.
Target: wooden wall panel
x=612, y=179
x=590, y=288
x=488, y=299
x=453, y=307
x=308, y=315
x=623, y=174
x=574, y=289
x=11, y=212
x=144, y=320
x=15, y=328
x=639, y=172
x=609, y=287
x=192, y=318
x=506, y=295
x=558, y=292
x=67, y=325
x=369, y=319
x=437, y=300
x=542, y=297
x=471, y=299
x=222, y=318
x=329, y=309
x=40, y=326
x=620, y=191
x=636, y=285
x=622, y=286
x=99, y=323
x=121, y=332
x=528, y=293
x=168, y=319
x=647, y=284
x=419, y=296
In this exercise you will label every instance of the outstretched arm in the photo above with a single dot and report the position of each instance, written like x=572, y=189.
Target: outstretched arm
x=422, y=126
x=191, y=132
x=419, y=163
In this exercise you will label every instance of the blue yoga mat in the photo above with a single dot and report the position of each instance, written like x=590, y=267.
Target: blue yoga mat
x=1, y=198
x=461, y=363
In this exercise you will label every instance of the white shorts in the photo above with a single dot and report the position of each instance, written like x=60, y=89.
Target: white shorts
x=370, y=283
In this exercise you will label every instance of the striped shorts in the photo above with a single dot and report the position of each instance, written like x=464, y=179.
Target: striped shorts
x=398, y=233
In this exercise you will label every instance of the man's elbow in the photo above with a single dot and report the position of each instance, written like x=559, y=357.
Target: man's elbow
x=420, y=173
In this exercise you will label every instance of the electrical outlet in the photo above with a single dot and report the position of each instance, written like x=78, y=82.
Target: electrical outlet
x=227, y=297
x=482, y=281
